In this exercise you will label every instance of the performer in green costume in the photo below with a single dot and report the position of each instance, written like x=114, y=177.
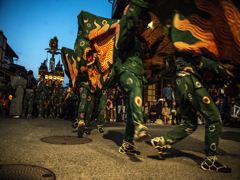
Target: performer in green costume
x=29, y=95
x=91, y=96
x=41, y=92
x=193, y=97
x=101, y=41
x=130, y=73
x=74, y=62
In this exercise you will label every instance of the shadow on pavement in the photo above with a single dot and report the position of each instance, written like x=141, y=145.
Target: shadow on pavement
x=230, y=135
x=117, y=137
x=134, y=158
x=173, y=153
x=114, y=136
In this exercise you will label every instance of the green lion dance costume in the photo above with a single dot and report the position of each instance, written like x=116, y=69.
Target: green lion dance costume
x=198, y=28
x=107, y=51
x=114, y=54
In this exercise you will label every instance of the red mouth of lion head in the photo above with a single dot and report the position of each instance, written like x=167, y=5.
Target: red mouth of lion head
x=89, y=55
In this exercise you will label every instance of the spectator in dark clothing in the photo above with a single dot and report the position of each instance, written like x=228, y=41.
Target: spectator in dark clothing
x=70, y=105
x=153, y=111
x=168, y=94
x=4, y=104
x=29, y=95
x=159, y=107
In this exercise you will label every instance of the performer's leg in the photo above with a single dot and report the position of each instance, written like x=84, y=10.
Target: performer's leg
x=180, y=132
x=87, y=114
x=198, y=99
x=89, y=109
x=30, y=104
x=133, y=87
x=83, y=118
x=81, y=106
x=127, y=146
x=188, y=127
x=129, y=130
x=101, y=109
x=184, y=90
x=40, y=105
x=25, y=104
x=213, y=122
x=213, y=128
x=83, y=102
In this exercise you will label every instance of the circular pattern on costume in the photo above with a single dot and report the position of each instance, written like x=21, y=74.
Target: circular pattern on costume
x=178, y=81
x=198, y=84
x=206, y=100
x=84, y=96
x=134, y=63
x=138, y=101
x=129, y=81
x=103, y=92
x=212, y=128
x=78, y=59
x=89, y=25
x=104, y=22
x=89, y=98
x=213, y=147
x=82, y=43
x=190, y=96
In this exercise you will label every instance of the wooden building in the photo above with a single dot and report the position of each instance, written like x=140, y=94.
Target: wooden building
x=7, y=58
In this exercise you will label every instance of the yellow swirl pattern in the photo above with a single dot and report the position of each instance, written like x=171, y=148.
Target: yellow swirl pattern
x=196, y=31
x=207, y=38
x=219, y=35
x=100, y=30
x=102, y=38
x=94, y=77
x=104, y=50
x=72, y=69
x=233, y=19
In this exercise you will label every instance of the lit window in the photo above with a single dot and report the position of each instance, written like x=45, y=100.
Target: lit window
x=151, y=93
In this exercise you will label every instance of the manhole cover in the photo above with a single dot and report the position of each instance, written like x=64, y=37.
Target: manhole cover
x=22, y=171
x=68, y=140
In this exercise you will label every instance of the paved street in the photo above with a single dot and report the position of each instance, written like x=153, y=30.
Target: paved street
x=20, y=144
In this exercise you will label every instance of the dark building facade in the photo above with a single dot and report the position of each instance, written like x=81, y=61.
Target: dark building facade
x=7, y=58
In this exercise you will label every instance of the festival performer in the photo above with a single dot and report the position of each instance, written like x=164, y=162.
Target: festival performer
x=77, y=70
x=192, y=97
x=130, y=73
x=29, y=95
x=113, y=53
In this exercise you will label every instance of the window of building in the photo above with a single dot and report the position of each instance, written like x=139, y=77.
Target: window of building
x=151, y=93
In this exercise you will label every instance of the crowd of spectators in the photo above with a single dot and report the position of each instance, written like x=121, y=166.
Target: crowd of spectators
x=23, y=96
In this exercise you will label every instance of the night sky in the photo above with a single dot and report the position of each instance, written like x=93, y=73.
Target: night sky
x=30, y=24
